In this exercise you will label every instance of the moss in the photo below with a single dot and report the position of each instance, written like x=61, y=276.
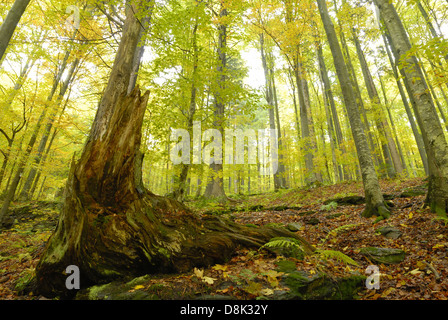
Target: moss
x=26, y=277
x=322, y=287
x=164, y=252
x=384, y=255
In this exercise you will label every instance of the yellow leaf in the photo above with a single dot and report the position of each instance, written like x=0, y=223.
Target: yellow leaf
x=139, y=286
x=410, y=215
x=387, y=292
x=208, y=280
x=267, y=292
x=218, y=267
x=415, y=272
x=199, y=273
x=421, y=265
x=440, y=245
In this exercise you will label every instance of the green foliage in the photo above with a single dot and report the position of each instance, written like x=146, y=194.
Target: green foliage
x=339, y=229
x=337, y=255
x=328, y=207
x=288, y=247
x=444, y=219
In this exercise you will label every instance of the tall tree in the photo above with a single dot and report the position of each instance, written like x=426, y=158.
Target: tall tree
x=375, y=204
x=10, y=23
x=435, y=143
x=380, y=118
x=215, y=185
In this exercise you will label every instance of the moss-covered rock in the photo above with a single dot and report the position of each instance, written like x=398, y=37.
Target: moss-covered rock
x=384, y=255
x=321, y=287
x=132, y=290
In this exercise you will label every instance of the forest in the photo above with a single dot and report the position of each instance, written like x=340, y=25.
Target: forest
x=223, y=150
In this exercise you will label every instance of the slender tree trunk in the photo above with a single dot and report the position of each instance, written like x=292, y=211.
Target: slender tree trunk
x=310, y=177
x=417, y=135
x=269, y=95
x=375, y=204
x=215, y=186
x=281, y=173
x=382, y=123
x=10, y=23
x=179, y=192
x=343, y=175
x=24, y=194
x=433, y=136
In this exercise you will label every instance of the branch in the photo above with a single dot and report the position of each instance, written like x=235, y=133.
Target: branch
x=5, y=134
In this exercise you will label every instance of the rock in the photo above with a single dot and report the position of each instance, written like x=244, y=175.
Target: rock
x=312, y=221
x=118, y=290
x=349, y=200
x=322, y=287
x=414, y=192
x=293, y=226
x=390, y=232
x=286, y=266
x=384, y=255
x=334, y=215
x=7, y=223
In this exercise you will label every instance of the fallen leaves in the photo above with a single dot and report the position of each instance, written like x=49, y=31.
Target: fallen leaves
x=251, y=274
x=200, y=274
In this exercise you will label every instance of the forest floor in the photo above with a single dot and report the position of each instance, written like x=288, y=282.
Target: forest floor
x=254, y=274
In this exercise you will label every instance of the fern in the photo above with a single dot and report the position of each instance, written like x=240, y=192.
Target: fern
x=335, y=231
x=293, y=247
x=282, y=243
x=330, y=206
x=443, y=218
x=288, y=247
x=338, y=255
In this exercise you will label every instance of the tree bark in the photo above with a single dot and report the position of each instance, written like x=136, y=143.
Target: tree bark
x=381, y=121
x=215, y=186
x=10, y=23
x=110, y=226
x=179, y=192
x=433, y=136
x=375, y=204
x=334, y=115
x=417, y=135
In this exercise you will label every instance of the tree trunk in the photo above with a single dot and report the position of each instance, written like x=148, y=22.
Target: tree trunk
x=417, y=135
x=179, y=192
x=10, y=23
x=375, y=204
x=334, y=115
x=25, y=192
x=215, y=186
x=382, y=124
x=110, y=226
x=433, y=136
x=281, y=173
x=310, y=177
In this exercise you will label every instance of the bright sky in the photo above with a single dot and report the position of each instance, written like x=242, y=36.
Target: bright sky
x=255, y=77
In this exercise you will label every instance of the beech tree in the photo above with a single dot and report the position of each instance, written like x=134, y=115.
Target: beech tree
x=435, y=143
x=10, y=23
x=375, y=204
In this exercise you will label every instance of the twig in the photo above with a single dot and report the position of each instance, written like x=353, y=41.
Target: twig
x=431, y=267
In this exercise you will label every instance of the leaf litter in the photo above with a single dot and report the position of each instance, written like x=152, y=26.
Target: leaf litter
x=253, y=274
